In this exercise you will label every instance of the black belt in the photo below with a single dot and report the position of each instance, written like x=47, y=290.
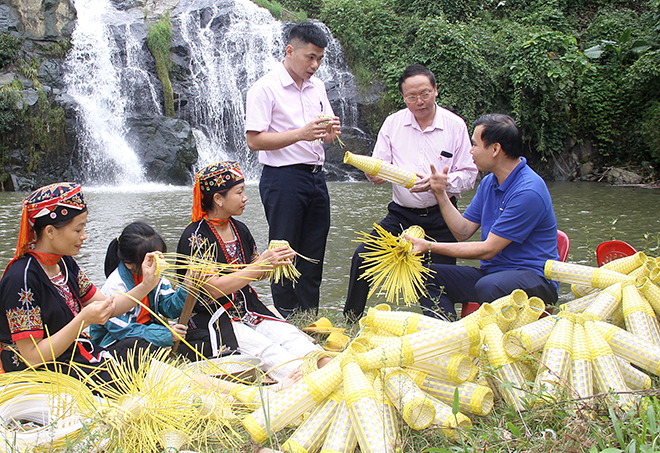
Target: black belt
x=422, y=211
x=307, y=167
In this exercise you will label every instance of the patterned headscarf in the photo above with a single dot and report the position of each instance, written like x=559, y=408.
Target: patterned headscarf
x=213, y=178
x=46, y=206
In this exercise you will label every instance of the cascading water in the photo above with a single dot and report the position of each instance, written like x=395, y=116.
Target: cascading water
x=219, y=47
x=227, y=46
x=93, y=79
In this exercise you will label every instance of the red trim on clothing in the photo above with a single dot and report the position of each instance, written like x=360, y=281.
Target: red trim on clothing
x=144, y=316
x=36, y=334
x=92, y=292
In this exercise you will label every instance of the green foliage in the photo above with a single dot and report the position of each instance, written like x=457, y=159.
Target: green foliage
x=544, y=72
x=38, y=130
x=58, y=49
x=9, y=47
x=9, y=113
x=159, y=39
x=280, y=12
x=30, y=70
x=568, y=70
x=650, y=129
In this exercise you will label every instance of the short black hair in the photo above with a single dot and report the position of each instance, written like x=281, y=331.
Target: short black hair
x=308, y=32
x=413, y=70
x=502, y=129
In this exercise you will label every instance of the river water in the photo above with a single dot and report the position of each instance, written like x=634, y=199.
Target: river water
x=588, y=212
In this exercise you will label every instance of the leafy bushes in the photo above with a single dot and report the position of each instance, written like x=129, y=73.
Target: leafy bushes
x=522, y=57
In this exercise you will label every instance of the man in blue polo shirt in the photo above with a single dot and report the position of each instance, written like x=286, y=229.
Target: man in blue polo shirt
x=518, y=227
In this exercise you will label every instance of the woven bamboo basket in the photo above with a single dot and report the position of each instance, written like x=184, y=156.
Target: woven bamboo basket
x=636, y=350
x=607, y=376
x=448, y=367
x=377, y=167
x=473, y=398
x=651, y=291
x=530, y=311
x=311, y=434
x=413, y=405
x=455, y=425
x=639, y=316
x=606, y=302
x=557, y=357
x=529, y=338
x=581, y=376
x=362, y=406
x=635, y=379
x=582, y=275
x=341, y=435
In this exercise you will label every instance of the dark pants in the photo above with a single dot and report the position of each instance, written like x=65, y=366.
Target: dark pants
x=297, y=208
x=397, y=219
x=450, y=285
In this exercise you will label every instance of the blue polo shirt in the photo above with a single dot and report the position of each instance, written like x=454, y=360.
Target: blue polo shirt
x=519, y=210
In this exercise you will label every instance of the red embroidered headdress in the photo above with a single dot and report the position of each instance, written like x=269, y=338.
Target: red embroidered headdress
x=47, y=206
x=216, y=177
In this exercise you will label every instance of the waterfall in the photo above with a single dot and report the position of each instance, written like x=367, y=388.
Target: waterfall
x=219, y=49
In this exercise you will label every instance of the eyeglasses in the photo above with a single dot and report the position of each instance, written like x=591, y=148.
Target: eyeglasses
x=412, y=98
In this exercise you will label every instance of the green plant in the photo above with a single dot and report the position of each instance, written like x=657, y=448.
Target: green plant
x=30, y=70
x=59, y=49
x=9, y=47
x=159, y=39
x=280, y=12
x=620, y=47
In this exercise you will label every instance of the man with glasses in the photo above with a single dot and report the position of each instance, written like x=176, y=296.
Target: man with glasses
x=421, y=135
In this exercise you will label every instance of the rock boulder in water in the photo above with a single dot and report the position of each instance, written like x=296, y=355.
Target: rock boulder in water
x=165, y=147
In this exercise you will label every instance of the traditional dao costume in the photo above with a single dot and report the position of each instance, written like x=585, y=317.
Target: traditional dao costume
x=37, y=306
x=239, y=321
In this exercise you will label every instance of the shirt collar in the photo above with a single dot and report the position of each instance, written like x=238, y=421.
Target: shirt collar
x=410, y=120
x=509, y=179
x=287, y=80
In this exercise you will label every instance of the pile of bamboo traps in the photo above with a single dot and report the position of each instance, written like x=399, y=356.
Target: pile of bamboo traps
x=390, y=265
x=405, y=367
x=402, y=367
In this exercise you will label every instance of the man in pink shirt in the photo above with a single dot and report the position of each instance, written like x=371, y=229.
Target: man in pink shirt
x=421, y=135
x=284, y=124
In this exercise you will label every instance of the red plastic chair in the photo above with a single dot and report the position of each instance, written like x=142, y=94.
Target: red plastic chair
x=563, y=246
x=611, y=250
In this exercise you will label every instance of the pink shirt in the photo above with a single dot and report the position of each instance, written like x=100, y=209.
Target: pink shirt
x=276, y=104
x=401, y=142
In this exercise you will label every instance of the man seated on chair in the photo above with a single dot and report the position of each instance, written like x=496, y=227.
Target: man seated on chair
x=518, y=227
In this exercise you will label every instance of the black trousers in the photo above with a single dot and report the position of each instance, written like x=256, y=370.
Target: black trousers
x=449, y=285
x=398, y=218
x=297, y=207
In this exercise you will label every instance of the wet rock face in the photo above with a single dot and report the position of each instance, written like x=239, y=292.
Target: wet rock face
x=49, y=20
x=165, y=146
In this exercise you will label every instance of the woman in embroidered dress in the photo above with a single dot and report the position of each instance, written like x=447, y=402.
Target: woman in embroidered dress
x=47, y=299
x=123, y=267
x=236, y=320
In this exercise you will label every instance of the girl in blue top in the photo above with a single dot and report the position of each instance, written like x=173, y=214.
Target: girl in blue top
x=123, y=262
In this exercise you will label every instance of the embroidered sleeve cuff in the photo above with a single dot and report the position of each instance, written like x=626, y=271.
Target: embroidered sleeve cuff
x=36, y=334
